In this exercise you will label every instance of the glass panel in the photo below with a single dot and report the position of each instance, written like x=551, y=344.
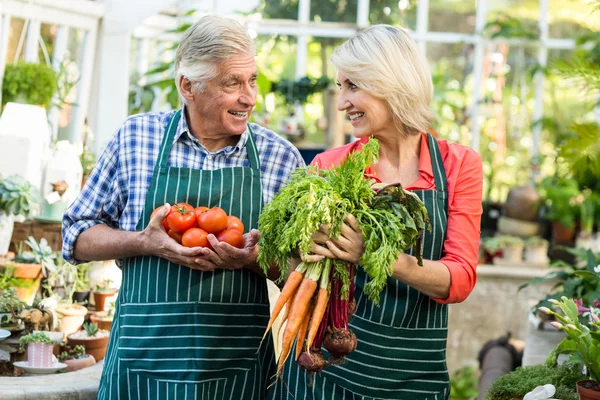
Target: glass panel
x=570, y=19
x=526, y=14
x=452, y=16
x=451, y=69
x=16, y=35
x=70, y=77
x=46, y=47
x=401, y=13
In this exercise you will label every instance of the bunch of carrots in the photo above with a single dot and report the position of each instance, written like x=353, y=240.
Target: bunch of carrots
x=317, y=299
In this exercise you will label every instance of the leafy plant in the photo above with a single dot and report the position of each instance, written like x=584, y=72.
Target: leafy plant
x=38, y=337
x=300, y=90
x=521, y=381
x=32, y=83
x=72, y=354
x=16, y=195
x=536, y=241
x=506, y=241
x=463, y=384
x=560, y=195
x=91, y=328
x=40, y=252
x=583, y=339
x=82, y=283
x=61, y=274
x=10, y=302
x=577, y=281
x=105, y=286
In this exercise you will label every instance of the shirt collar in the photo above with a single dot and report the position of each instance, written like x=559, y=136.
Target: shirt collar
x=425, y=167
x=183, y=133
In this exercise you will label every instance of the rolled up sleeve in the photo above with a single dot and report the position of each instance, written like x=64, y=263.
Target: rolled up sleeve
x=461, y=247
x=100, y=201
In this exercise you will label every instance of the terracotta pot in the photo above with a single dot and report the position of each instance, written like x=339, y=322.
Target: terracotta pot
x=85, y=361
x=26, y=271
x=100, y=298
x=27, y=294
x=95, y=347
x=102, y=320
x=72, y=317
x=586, y=390
x=561, y=234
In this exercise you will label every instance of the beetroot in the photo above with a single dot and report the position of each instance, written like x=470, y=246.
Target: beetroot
x=312, y=362
x=340, y=342
x=351, y=307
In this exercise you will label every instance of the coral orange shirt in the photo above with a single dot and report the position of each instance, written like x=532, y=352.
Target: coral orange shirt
x=464, y=174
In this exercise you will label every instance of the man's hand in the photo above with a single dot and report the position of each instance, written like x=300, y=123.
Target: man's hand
x=225, y=256
x=156, y=242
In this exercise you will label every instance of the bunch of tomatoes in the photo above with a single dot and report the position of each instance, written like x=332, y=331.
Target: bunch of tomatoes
x=191, y=226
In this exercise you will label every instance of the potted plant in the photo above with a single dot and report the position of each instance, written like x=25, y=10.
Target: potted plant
x=94, y=340
x=82, y=291
x=560, y=196
x=582, y=343
x=76, y=358
x=536, y=251
x=491, y=249
x=101, y=292
x=10, y=304
x=16, y=197
x=31, y=83
x=463, y=384
x=512, y=248
x=516, y=384
x=104, y=319
x=39, y=349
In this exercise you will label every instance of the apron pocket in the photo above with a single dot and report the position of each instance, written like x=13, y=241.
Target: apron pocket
x=394, y=363
x=190, y=342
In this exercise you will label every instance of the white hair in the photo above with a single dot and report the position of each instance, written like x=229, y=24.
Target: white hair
x=204, y=45
x=386, y=62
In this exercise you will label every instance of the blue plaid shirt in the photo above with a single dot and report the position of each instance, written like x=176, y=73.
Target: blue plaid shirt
x=115, y=192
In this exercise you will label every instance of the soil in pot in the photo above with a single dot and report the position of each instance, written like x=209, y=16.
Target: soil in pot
x=588, y=390
x=95, y=346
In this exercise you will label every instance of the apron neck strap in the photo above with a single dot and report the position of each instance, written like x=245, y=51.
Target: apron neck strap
x=167, y=143
x=439, y=172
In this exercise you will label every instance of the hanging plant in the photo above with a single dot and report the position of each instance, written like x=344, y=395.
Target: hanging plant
x=29, y=83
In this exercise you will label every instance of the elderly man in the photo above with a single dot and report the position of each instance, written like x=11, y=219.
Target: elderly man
x=189, y=320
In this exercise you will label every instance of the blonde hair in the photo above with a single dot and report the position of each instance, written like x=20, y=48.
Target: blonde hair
x=386, y=62
x=208, y=42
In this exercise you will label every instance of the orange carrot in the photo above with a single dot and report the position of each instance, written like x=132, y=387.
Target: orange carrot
x=288, y=290
x=320, y=307
x=297, y=312
x=302, y=332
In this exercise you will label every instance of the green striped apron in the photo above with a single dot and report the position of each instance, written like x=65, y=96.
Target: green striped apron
x=187, y=334
x=401, y=351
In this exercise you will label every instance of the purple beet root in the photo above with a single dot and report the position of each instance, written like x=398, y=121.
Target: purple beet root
x=312, y=362
x=340, y=342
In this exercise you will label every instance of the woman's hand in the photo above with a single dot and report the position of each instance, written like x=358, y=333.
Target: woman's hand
x=349, y=245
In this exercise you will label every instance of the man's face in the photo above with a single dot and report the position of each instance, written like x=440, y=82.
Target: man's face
x=228, y=99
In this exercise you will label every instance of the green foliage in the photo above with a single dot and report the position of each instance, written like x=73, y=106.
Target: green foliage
x=73, y=354
x=536, y=241
x=91, y=328
x=463, y=384
x=39, y=337
x=41, y=253
x=506, y=241
x=83, y=282
x=32, y=83
x=521, y=381
x=560, y=196
x=577, y=281
x=300, y=90
x=583, y=339
x=16, y=195
x=106, y=286
x=88, y=162
x=389, y=221
x=10, y=302
x=510, y=27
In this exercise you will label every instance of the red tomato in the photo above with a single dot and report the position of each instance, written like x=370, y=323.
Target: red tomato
x=176, y=236
x=234, y=222
x=213, y=220
x=231, y=236
x=200, y=210
x=164, y=222
x=195, y=237
x=181, y=218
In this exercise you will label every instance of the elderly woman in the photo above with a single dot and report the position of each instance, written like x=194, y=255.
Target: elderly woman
x=189, y=321
x=385, y=90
